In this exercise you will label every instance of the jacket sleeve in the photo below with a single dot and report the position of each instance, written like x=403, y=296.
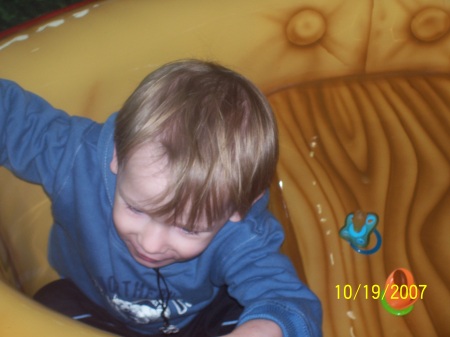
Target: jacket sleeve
x=265, y=282
x=33, y=135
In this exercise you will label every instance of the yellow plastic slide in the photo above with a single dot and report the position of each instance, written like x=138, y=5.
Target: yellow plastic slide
x=361, y=91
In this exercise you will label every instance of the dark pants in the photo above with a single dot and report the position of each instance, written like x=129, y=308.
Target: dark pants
x=218, y=319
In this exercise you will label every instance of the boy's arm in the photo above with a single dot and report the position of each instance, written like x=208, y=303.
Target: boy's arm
x=265, y=282
x=25, y=122
x=257, y=328
x=33, y=135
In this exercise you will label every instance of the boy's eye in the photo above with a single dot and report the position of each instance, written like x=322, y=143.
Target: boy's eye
x=187, y=231
x=134, y=210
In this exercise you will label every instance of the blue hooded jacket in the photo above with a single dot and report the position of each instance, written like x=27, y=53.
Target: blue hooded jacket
x=70, y=157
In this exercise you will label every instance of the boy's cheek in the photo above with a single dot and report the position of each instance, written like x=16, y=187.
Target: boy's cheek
x=119, y=222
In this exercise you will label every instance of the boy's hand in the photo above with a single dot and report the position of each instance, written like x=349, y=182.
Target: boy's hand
x=257, y=328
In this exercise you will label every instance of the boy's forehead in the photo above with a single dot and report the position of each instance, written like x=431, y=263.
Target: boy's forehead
x=144, y=176
x=147, y=160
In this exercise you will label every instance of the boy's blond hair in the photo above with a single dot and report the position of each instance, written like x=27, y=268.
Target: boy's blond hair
x=217, y=131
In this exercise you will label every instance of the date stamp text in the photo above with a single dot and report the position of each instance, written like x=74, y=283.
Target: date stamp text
x=375, y=291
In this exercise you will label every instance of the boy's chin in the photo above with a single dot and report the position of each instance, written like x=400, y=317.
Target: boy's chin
x=150, y=263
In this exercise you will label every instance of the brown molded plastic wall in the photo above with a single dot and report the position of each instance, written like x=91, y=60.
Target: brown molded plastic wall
x=361, y=91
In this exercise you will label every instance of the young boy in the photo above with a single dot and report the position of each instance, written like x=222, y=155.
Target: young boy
x=160, y=219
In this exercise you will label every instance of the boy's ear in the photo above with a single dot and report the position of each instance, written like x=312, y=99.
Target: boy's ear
x=235, y=217
x=114, y=165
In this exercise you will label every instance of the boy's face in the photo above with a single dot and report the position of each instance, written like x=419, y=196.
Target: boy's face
x=152, y=241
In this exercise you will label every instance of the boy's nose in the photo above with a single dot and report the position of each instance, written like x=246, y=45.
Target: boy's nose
x=154, y=239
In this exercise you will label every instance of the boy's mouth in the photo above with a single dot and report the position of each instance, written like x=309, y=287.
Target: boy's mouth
x=148, y=259
x=150, y=262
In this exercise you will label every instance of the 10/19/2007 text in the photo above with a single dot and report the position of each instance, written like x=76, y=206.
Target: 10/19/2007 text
x=375, y=291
